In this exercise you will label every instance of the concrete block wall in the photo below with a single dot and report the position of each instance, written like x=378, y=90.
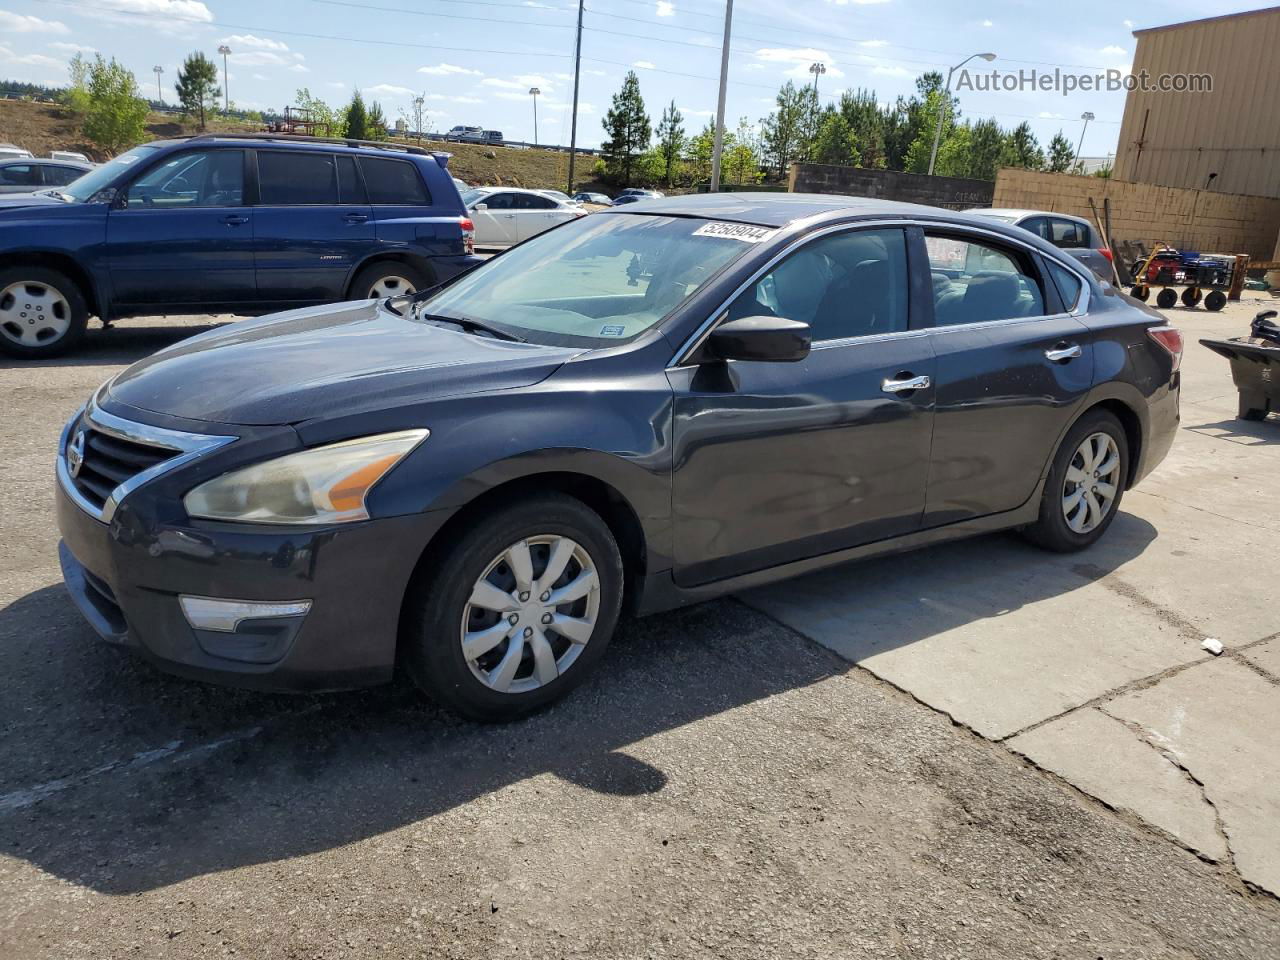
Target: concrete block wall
x=1199, y=220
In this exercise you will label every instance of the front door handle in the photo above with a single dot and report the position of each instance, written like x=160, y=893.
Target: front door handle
x=232, y=220
x=1063, y=352
x=356, y=217
x=906, y=385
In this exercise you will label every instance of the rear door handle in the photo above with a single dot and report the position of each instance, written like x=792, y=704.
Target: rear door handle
x=232, y=220
x=356, y=217
x=1063, y=352
x=906, y=385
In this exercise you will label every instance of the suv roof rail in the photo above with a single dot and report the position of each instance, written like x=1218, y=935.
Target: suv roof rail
x=299, y=138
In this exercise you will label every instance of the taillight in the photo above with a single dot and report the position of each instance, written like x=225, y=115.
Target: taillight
x=1171, y=339
x=468, y=236
x=1106, y=252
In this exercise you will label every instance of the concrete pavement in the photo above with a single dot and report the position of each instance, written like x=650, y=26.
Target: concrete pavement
x=1090, y=665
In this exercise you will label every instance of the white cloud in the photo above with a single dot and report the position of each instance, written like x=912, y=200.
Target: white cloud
x=533, y=80
x=30, y=59
x=755, y=66
x=596, y=73
x=336, y=84
x=466, y=99
x=448, y=69
x=265, y=58
x=299, y=68
x=987, y=23
x=666, y=8
x=168, y=16
x=263, y=76
x=690, y=112
x=23, y=23
x=884, y=71
x=792, y=55
x=387, y=90
x=1114, y=51
x=1128, y=24
x=512, y=95
x=253, y=43
x=643, y=65
x=1046, y=115
x=499, y=82
x=62, y=46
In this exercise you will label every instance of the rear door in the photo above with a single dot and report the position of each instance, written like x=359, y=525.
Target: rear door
x=1014, y=365
x=535, y=213
x=184, y=235
x=313, y=225
x=401, y=203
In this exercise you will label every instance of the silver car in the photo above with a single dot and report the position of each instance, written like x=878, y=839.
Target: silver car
x=29, y=174
x=1073, y=235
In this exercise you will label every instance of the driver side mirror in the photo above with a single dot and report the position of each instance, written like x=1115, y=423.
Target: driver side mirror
x=759, y=338
x=481, y=206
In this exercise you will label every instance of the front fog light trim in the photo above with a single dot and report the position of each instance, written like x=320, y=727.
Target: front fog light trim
x=225, y=616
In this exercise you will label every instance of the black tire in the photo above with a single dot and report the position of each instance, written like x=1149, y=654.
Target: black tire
x=431, y=642
x=15, y=321
x=1191, y=296
x=362, y=287
x=1166, y=298
x=1141, y=292
x=1051, y=531
x=1215, y=300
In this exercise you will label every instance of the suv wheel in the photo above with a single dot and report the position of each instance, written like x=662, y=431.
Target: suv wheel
x=513, y=615
x=42, y=312
x=389, y=279
x=1086, y=482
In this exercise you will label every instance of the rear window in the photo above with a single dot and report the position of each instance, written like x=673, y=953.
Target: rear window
x=393, y=182
x=297, y=178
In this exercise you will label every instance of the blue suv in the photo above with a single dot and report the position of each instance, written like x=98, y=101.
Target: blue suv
x=244, y=224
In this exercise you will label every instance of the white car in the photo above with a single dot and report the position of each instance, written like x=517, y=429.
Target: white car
x=9, y=151
x=69, y=155
x=504, y=216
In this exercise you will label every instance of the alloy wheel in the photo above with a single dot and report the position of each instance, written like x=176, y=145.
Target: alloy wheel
x=392, y=286
x=33, y=313
x=1092, y=482
x=530, y=614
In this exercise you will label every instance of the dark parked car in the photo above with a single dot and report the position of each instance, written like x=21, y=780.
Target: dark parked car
x=641, y=408
x=28, y=176
x=245, y=224
x=635, y=194
x=1072, y=235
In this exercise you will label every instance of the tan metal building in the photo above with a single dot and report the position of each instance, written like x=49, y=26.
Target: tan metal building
x=1180, y=139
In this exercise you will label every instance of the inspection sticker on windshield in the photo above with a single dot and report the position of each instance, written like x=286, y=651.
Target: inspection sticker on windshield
x=613, y=330
x=735, y=231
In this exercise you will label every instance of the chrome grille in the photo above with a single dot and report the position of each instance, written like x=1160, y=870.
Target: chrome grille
x=107, y=461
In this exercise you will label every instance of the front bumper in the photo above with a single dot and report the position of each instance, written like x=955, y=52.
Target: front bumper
x=126, y=577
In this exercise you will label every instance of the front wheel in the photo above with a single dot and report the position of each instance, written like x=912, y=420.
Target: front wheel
x=513, y=615
x=1086, y=481
x=42, y=312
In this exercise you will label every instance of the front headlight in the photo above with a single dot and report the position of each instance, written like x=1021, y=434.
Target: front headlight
x=323, y=485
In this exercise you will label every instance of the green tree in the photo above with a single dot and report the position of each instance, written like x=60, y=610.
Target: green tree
x=76, y=97
x=376, y=124
x=986, y=142
x=116, y=116
x=356, y=118
x=1022, y=149
x=861, y=111
x=955, y=154
x=197, y=86
x=835, y=142
x=783, y=131
x=926, y=123
x=701, y=148
x=1061, y=156
x=671, y=140
x=628, y=129
x=332, y=121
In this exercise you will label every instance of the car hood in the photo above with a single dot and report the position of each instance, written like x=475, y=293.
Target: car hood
x=337, y=359
x=10, y=200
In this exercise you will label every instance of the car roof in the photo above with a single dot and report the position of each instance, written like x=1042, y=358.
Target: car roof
x=47, y=161
x=1022, y=214
x=288, y=142
x=781, y=209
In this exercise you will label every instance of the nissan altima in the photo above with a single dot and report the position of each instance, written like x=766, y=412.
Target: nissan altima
x=633, y=411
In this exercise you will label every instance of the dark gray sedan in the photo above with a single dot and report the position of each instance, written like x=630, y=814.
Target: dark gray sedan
x=639, y=409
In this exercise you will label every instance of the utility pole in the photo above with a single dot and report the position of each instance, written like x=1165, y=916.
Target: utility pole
x=226, y=88
x=945, y=106
x=1086, y=117
x=724, y=81
x=159, y=92
x=534, y=91
x=573, y=130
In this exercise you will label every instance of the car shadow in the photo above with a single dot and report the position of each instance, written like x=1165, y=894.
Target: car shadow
x=123, y=779
x=121, y=343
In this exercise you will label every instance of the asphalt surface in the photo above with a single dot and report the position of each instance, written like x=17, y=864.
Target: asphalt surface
x=722, y=787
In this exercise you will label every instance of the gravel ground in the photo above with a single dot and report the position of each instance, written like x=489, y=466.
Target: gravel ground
x=723, y=787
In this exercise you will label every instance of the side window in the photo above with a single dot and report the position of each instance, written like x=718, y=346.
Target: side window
x=350, y=187
x=393, y=182
x=975, y=282
x=297, y=178
x=850, y=284
x=20, y=175
x=61, y=176
x=536, y=202
x=1067, y=233
x=498, y=201
x=1037, y=225
x=208, y=178
x=1069, y=285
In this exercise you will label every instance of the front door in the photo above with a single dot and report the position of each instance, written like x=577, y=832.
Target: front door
x=495, y=220
x=1013, y=368
x=181, y=234
x=779, y=461
x=313, y=225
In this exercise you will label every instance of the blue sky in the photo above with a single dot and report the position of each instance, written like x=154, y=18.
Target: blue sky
x=475, y=60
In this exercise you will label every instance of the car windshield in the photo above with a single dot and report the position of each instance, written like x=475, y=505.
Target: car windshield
x=997, y=216
x=592, y=282
x=85, y=187
x=472, y=196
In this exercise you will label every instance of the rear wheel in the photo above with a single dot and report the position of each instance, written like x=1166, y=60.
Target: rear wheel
x=1215, y=300
x=1191, y=296
x=1141, y=292
x=387, y=279
x=513, y=615
x=42, y=312
x=1085, y=485
x=1166, y=298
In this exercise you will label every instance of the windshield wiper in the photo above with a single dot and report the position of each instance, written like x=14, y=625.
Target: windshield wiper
x=471, y=325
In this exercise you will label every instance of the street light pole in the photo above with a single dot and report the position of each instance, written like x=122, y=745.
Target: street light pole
x=226, y=87
x=946, y=104
x=159, y=92
x=817, y=69
x=718, y=146
x=417, y=115
x=577, y=68
x=534, y=91
x=1086, y=117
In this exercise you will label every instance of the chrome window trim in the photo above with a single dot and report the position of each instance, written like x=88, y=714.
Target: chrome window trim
x=186, y=447
x=696, y=339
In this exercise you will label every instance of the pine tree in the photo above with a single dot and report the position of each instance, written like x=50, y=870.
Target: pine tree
x=1022, y=149
x=671, y=140
x=197, y=85
x=835, y=141
x=628, y=129
x=783, y=131
x=357, y=118
x=866, y=121
x=375, y=127
x=986, y=141
x=1061, y=156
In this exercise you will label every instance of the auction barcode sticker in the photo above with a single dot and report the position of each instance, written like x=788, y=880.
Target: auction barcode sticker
x=735, y=231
